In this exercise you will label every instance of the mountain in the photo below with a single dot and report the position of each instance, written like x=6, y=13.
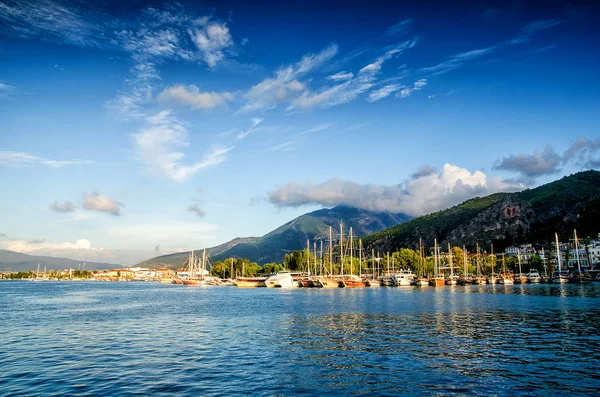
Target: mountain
x=17, y=262
x=533, y=215
x=292, y=236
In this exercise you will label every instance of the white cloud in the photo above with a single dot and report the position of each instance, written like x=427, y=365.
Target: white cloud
x=286, y=84
x=426, y=193
x=192, y=97
x=340, y=76
x=24, y=159
x=157, y=143
x=101, y=203
x=212, y=39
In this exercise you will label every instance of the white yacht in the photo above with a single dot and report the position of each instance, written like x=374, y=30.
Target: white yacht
x=281, y=280
x=534, y=277
x=403, y=278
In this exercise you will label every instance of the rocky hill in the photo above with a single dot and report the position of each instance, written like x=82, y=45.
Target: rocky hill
x=533, y=215
x=292, y=236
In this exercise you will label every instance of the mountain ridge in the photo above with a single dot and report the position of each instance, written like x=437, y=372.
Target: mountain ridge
x=532, y=215
x=292, y=235
x=19, y=262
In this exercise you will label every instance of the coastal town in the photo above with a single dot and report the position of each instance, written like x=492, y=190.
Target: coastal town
x=342, y=265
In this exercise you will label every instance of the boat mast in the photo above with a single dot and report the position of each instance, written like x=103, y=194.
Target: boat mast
x=315, y=251
x=477, y=260
x=351, y=253
x=360, y=258
x=503, y=265
x=330, y=253
x=519, y=259
x=450, y=258
x=373, y=261
x=465, y=260
x=435, y=258
x=557, y=253
x=321, y=262
x=577, y=251
x=493, y=259
x=203, y=263
x=341, y=249
x=308, y=257
x=421, y=267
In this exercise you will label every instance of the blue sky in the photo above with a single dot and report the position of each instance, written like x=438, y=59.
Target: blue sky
x=131, y=130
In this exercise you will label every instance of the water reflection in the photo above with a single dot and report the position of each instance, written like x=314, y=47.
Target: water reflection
x=120, y=339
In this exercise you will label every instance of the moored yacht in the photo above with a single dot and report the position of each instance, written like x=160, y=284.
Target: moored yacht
x=250, y=282
x=534, y=277
x=404, y=278
x=281, y=280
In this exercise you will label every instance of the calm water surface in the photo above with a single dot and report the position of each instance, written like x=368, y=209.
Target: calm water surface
x=121, y=339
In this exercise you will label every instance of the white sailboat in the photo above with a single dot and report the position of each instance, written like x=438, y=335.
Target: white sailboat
x=559, y=276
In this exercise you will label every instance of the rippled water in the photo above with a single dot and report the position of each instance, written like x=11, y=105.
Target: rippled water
x=151, y=339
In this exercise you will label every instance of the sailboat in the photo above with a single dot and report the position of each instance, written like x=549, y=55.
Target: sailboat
x=559, y=276
x=351, y=280
x=329, y=281
x=480, y=279
x=579, y=276
x=451, y=280
x=388, y=279
x=521, y=278
x=438, y=279
x=492, y=278
x=373, y=281
x=505, y=278
x=421, y=281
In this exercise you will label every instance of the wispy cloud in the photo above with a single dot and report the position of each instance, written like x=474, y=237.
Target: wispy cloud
x=67, y=206
x=584, y=152
x=252, y=129
x=408, y=91
x=55, y=20
x=347, y=91
x=383, y=92
x=340, y=76
x=282, y=147
x=444, y=94
x=192, y=97
x=156, y=146
x=7, y=91
x=457, y=60
x=101, y=203
x=320, y=127
x=285, y=86
x=401, y=27
x=195, y=208
x=26, y=159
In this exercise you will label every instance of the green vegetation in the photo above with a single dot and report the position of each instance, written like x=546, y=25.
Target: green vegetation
x=561, y=206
